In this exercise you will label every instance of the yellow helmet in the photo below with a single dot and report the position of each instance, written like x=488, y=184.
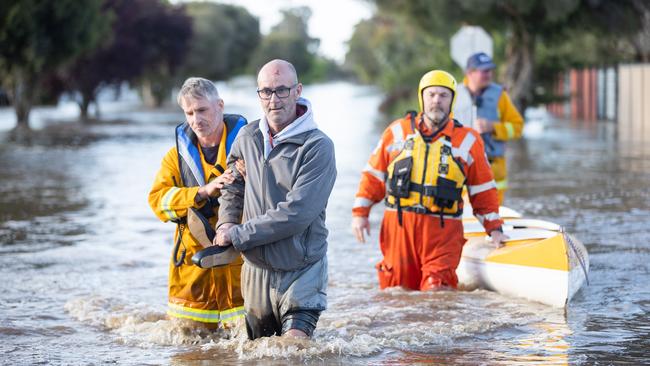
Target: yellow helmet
x=437, y=78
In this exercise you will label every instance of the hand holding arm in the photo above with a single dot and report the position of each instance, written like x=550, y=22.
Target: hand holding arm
x=211, y=189
x=222, y=238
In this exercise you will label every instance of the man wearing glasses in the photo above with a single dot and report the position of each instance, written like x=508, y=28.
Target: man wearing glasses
x=487, y=108
x=281, y=200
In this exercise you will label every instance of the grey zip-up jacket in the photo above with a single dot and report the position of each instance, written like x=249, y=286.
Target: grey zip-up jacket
x=282, y=201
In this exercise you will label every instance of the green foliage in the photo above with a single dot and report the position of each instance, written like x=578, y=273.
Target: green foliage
x=224, y=38
x=393, y=53
x=165, y=45
x=290, y=40
x=39, y=37
x=323, y=68
x=148, y=41
x=532, y=37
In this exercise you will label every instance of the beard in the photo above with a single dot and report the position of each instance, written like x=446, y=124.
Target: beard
x=437, y=116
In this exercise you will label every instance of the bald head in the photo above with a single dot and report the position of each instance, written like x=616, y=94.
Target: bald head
x=278, y=69
x=279, y=90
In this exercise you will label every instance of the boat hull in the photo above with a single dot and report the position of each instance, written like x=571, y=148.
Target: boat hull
x=539, y=264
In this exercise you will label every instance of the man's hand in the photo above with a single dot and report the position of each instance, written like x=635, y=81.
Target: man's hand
x=498, y=238
x=211, y=189
x=222, y=238
x=359, y=224
x=240, y=165
x=483, y=125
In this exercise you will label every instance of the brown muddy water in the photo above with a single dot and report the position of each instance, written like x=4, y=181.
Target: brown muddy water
x=83, y=261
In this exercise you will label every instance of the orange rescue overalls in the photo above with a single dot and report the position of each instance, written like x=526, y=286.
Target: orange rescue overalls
x=423, y=252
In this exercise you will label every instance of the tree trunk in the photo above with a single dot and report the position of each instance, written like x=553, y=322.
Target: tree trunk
x=98, y=114
x=22, y=107
x=87, y=97
x=83, y=109
x=22, y=98
x=159, y=97
x=520, y=53
x=641, y=40
x=148, y=97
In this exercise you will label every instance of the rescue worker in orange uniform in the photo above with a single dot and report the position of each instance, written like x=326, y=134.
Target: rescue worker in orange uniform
x=486, y=106
x=191, y=177
x=419, y=169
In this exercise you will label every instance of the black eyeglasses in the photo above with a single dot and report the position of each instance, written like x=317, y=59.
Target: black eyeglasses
x=280, y=92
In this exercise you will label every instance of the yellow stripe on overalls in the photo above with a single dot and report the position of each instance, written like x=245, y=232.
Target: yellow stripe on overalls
x=165, y=203
x=205, y=316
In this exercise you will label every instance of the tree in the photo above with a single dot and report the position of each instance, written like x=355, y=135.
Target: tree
x=166, y=39
x=224, y=38
x=389, y=51
x=147, y=37
x=525, y=23
x=37, y=38
x=289, y=40
x=640, y=42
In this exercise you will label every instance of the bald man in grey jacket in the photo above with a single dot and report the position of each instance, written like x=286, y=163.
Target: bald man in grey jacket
x=290, y=173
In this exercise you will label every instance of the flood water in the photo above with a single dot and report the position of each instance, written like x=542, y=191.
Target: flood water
x=83, y=260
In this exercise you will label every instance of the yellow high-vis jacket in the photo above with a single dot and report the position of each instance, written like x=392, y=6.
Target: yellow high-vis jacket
x=495, y=105
x=211, y=295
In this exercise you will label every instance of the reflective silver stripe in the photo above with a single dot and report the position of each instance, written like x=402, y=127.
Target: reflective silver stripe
x=233, y=314
x=398, y=133
x=474, y=190
x=502, y=185
x=206, y=316
x=463, y=150
x=489, y=217
x=376, y=173
x=165, y=203
x=183, y=151
x=395, y=147
x=377, y=148
x=362, y=202
x=510, y=129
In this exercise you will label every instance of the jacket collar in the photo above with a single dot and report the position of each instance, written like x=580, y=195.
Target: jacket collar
x=293, y=133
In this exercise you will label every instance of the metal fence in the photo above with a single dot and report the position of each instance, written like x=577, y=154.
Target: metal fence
x=620, y=94
x=634, y=102
x=590, y=94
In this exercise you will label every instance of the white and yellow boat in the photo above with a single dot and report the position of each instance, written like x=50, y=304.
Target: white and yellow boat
x=540, y=261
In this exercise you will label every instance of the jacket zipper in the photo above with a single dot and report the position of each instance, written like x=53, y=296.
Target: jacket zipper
x=424, y=172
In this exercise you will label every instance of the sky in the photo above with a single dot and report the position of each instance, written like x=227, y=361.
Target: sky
x=332, y=21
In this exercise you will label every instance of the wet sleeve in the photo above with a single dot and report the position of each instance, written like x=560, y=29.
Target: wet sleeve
x=231, y=202
x=168, y=200
x=303, y=204
x=482, y=188
x=511, y=123
x=372, y=187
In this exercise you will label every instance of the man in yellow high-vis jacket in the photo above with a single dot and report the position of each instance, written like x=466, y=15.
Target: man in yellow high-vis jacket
x=191, y=177
x=486, y=106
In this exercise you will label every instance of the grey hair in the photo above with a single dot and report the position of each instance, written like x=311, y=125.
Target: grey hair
x=198, y=88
